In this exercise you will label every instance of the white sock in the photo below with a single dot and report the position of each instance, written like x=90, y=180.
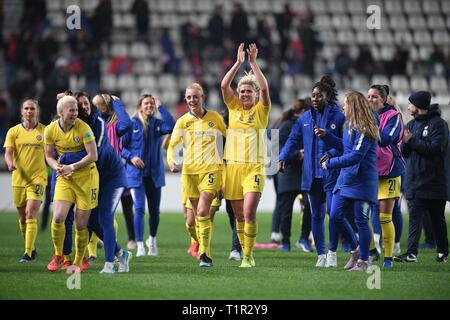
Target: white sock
x=376, y=238
x=140, y=245
x=152, y=240
x=109, y=265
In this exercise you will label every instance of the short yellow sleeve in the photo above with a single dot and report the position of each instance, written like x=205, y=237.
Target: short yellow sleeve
x=48, y=136
x=86, y=133
x=9, y=141
x=233, y=103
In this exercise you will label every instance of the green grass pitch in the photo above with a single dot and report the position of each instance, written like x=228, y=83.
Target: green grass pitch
x=175, y=275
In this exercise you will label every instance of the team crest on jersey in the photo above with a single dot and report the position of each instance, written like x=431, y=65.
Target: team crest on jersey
x=38, y=137
x=76, y=139
x=333, y=126
x=425, y=132
x=211, y=124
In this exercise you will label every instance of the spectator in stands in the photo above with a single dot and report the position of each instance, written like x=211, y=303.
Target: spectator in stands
x=284, y=22
x=168, y=58
x=311, y=44
x=216, y=29
x=239, y=27
x=399, y=61
x=33, y=12
x=47, y=50
x=142, y=14
x=437, y=63
x=91, y=69
x=4, y=125
x=102, y=21
x=343, y=62
x=364, y=63
x=425, y=145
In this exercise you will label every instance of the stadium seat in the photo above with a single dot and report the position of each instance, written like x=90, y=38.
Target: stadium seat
x=360, y=83
x=403, y=36
x=88, y=5
x=147, y=83
x=337, y=6
x=431, y=7
x=119, y=49
x=435, y=22
x=417, y=22
x=422, y=37
x=358, y=22
x=130, y=98
x=323, y=22
x=139, y=50
x=387, y=53
x=398, y=22
x=441, y=37
x=128, y=20
x=185, y=6
x=384, y=37
x=204, y=6
x=356, y=7
x=126, y=82
x=329, y=52
x=379, y=79
x=400, y=83
x=439, y=85
x=108, y=82
x=425, y=52
x=57, y=19
x=287, y=82
x=319, y=7
x=341, y=22
x=418, y=83
x=328, y=36
x=345, y=37
x=303, y=82
x=366, y=37
x=445, y=7
x=411, y=6
x=53, y=6
x=393, y=7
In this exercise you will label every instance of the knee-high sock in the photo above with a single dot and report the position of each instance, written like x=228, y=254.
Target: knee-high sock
x=81, y=241
x=58, y=235
x=23, y=228
x=250, y=231
x=192, y=232
x=240, y=225
x=204, y=225
x=30, y=236
x=92, y=245
x=388, y=231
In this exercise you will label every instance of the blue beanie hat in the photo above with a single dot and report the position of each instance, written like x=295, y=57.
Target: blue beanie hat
x=420, y=99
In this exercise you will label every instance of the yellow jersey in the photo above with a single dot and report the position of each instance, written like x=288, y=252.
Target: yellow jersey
x=29, y=155
x=246, y=132
x=202, y=142
x=72, y=141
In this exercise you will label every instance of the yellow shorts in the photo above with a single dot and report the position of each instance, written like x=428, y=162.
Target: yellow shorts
x=241, y=178
x=216, y=203
x=389, y=188
x=79, y=189
x=30, y=192
x=194, y=184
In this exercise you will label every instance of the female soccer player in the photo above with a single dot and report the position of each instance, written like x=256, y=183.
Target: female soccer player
x=76, y=183
x=325, y=119
x=25, y=158
x=357, y=185
x=145, y=167
x=245, y=149
x=390, y=163
x=118, y=122
x=201, y=177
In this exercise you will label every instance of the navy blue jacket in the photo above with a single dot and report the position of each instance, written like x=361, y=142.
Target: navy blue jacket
x=391, y=135
x=358, y=178
x=291, y=178
x=303, y=132
x=147, y=148
x=425, y=155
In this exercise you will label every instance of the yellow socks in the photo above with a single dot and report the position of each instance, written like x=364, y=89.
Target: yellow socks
x=58, y=235
x=205, y=226
x=67, y=258
x=193, y=233
x=240, y=231
x=30, y=235
x=81, y=241
x=250, y=231
x=388, y=231
x=92, y=245
x=23, y=228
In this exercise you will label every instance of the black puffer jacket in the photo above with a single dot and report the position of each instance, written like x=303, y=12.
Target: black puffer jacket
x=425, y=155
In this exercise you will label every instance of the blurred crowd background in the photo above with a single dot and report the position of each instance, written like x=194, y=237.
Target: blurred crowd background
x=131, y=47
